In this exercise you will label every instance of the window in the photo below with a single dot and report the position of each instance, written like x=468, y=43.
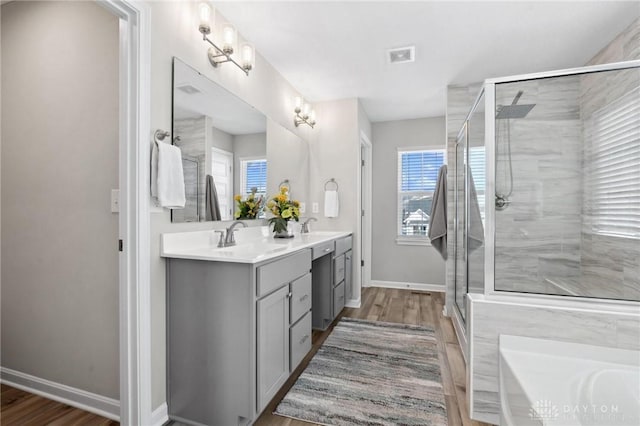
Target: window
x=478, y=167
x=417, y=176
x=614, y=178
x=253, y=174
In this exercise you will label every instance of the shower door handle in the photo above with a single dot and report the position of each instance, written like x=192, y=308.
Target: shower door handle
x=502, y=202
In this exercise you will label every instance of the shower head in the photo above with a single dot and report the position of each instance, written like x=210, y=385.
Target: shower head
x=514, y=110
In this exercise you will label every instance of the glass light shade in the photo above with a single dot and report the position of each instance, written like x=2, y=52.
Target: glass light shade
x=248, y=53
x=228, y=36
x=312, y=117
x=298, y=103
x=305, y=110
x=206, y=15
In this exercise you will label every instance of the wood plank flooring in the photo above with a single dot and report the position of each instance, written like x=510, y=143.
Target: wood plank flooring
x=378, y=304
x=26, y=409
x=406, y=307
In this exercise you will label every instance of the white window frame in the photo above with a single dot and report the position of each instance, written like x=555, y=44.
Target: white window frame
x=243, y=171
x=412, y=240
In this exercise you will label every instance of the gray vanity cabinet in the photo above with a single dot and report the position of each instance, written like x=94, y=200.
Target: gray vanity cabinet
x=233, y=330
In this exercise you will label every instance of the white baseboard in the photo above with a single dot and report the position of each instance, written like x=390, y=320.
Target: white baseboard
x=87, y=401
x=160, y=415
x=353, y=303
x=437, y=288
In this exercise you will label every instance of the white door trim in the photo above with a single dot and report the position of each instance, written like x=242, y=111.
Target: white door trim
x=363, y=277
x=134, y=163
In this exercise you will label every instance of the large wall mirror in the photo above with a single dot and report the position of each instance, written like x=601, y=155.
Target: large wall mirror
x=224, y=146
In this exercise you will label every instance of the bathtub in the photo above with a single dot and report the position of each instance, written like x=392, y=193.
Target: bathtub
x=546, y=382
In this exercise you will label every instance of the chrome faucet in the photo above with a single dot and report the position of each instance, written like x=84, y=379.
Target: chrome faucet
x=305, y=225
x=230, y=239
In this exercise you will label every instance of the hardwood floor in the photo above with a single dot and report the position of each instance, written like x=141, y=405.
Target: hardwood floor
x=407, y=307
x=26, y=409
x=378, y=304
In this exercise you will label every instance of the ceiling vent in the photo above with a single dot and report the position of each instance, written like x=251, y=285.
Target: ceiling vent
x=188, y=89
x=401, y=55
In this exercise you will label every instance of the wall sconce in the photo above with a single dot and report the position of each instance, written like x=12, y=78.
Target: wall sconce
x=219, y=55
x=304, y=114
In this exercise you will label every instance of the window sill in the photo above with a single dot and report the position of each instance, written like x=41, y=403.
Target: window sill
x=413, y=241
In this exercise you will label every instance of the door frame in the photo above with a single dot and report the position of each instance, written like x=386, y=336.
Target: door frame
x=363, y=275
x=134, y=220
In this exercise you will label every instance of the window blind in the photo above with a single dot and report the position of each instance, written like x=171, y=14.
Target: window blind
x=254, y=174
x=614, y=172
x=417, y=177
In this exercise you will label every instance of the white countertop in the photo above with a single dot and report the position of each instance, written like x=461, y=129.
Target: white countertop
x=254, y=244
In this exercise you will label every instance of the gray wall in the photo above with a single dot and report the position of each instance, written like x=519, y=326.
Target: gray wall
x=390, y=261
x=59, y=164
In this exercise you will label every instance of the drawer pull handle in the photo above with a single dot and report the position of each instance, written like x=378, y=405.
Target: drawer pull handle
x=289, y=295
x=305, y=297
x=327, y=250
x=304, y=339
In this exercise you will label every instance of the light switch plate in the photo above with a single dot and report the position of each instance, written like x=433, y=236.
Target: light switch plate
x=315, y=208
x=115, y=201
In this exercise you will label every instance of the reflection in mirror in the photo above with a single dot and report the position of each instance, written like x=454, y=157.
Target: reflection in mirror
x=223, y=143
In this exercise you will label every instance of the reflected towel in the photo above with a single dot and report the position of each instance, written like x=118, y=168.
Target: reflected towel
x=438, y=218
x=475, y=237
x=211, y=200
x=331, y=203
x=170, y=177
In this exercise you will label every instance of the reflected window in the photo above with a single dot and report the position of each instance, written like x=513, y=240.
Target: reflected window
x=614, y=172
x=253, y=175
x=417, y=176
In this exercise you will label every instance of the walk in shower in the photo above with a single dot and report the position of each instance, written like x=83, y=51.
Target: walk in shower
x=547, y=186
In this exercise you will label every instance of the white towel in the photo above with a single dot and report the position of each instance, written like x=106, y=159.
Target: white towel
x=170, y=178
x=331, y=203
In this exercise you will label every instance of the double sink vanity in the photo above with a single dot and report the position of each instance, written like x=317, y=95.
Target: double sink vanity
x=240, y=318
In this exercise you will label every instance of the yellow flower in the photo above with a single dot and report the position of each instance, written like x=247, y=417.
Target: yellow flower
x=238, y=197
x=284, y=190
x=296, y=203
x=281, y=198
x=270, y=204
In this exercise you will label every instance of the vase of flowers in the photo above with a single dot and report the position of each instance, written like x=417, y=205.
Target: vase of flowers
x=283, y=210
x=249, y=208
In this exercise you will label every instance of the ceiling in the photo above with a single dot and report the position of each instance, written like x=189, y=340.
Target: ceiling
x=192, y=95
x=333, y=50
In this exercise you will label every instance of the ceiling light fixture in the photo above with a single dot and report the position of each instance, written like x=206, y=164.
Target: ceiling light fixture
x=304, y=114
x=229, y=38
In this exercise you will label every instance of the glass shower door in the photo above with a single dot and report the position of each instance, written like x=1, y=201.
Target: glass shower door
x=460, y=251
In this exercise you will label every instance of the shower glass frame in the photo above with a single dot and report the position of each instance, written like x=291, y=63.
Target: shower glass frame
x=489, y=90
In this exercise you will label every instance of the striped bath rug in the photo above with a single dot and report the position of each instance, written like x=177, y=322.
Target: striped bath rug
x=370, y=373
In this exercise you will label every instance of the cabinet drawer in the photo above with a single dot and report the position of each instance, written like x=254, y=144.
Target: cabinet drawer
x=300, y=340
x=283, y=271
x=338, y=299
x=300, y=297
x=338, y=269
x=322, y=249
x=344, y=244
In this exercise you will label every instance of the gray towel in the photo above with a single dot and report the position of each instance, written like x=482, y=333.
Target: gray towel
x=211, y=200
x=438, y=222
x=475, y=238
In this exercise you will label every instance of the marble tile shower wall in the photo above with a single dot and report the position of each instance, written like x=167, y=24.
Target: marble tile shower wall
x=614, y=260
x=192, y=132
x=538, y=235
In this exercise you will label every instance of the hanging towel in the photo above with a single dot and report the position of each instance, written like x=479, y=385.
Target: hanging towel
x=438, y=218
x=170, y=177
x=211, y=200
x=331, y=203
x=476, y=228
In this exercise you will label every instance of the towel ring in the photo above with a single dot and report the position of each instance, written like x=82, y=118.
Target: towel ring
x=329, y=182
x=285, y=183
x=159, y=135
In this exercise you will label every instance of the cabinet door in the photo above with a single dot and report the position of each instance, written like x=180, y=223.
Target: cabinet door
x=273, y=345
x=348, y=276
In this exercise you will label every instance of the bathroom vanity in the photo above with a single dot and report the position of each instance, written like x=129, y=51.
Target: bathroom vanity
x=239, y=318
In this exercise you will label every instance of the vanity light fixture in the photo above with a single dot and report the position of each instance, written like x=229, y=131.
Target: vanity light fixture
x=219, y=55
x=304, y=114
